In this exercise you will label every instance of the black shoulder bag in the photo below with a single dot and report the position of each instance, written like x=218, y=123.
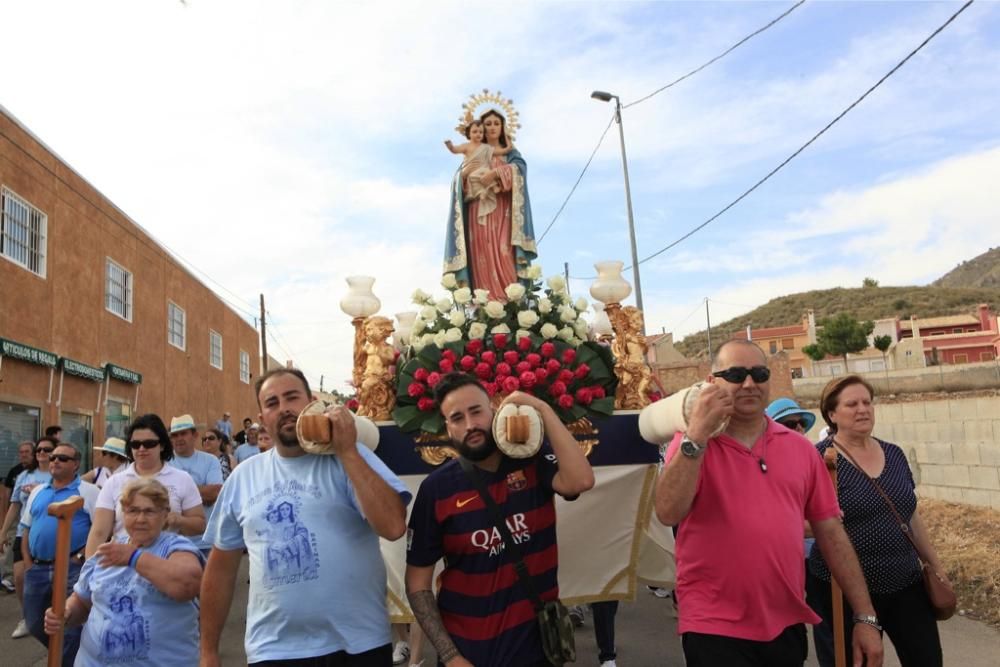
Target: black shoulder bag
x=554, y=622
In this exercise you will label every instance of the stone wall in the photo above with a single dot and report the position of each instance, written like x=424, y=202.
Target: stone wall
x=676, y=376
x=961, y=377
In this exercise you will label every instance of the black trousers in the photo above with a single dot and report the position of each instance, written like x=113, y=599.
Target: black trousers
x=376, y=657
x=906, y=616
x=789, y=649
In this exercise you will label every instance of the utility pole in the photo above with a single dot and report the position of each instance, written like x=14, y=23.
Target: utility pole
x=263, y=337
x=566, y=274
x=321, y=383
x=708, y=321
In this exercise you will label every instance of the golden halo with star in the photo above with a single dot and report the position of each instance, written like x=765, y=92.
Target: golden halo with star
x=477, y=102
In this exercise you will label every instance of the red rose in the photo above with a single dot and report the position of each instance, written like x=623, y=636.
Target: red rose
x=597, y=392
x=352, y=405
x=654, y=396
x=533, y=359
x=433, y=379
x=524, y=343
x=503, y=369
x=581, y=371
x=569, y=356
x=511, y=357
x=416, y=389
x=426, y=404
x=553, y=365
x=523, y=367
x=395, y=355
x=540, y=374
x=467, y=362
x=527, y=380
x=484, y=370
x=583, y=396
x=499, y=341
x=489, y=356
x=474, y=346
x=490, y=387
x=548, y=349
x=446, y=365
x=511, y=384
x=448, y=354
x=420, y=374
x=557, y=388
x=565, y=401
x=566, y=375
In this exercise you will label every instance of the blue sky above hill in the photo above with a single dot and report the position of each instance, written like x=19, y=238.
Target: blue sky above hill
x=279, y=147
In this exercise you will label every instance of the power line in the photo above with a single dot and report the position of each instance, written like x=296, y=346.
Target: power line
x=816, y=136
x=688, y=316
x=578, y=179
x=716, y=58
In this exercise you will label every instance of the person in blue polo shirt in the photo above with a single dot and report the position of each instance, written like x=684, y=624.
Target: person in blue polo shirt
x=38, y=544
x=205, y=469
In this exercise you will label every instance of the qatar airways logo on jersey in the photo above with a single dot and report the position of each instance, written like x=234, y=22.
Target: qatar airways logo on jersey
x=491, y=540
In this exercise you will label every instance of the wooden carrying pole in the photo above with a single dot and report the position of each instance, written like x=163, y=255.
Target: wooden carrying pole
x=63, y=511
x=839, y=654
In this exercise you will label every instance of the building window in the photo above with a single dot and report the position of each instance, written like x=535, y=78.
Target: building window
x=787, y=343
x=17, y=423
x=22, y=233
x=176, y=325
x=773, y=346
x=960, y=359
x=957, y=330
x=985, y=356
x=938, y=333
x=244, y=367
x=215, y=349
x=796, y=373
x=909, y=353
x=117, y=416
x=118, y=290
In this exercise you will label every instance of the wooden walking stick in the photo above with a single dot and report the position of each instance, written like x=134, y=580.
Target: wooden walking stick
x=839, y=654
x=63, y=511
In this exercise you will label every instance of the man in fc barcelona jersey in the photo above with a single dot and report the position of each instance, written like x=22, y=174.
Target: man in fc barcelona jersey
x=482, y=615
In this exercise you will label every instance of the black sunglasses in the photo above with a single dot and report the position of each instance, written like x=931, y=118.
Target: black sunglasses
x=793, y=423
x=47, y=450
x=62, y=458
x=738, y=374
x=144, y=444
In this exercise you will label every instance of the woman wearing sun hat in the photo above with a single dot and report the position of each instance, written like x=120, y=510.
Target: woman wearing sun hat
x=109, y=459
x=787, y=412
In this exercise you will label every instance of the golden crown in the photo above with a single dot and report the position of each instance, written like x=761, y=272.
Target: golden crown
x=486, y=98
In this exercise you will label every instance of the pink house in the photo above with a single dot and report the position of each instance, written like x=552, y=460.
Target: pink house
x=956, y=339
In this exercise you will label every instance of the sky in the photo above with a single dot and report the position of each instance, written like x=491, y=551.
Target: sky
x=279, y=147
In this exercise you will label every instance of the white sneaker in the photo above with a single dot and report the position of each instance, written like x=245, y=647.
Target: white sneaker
x=21, y=630
x=609, y=663
x=400, y=653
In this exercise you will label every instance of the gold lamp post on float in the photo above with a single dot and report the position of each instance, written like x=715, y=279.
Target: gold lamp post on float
x=359, y=303
x=629, y=344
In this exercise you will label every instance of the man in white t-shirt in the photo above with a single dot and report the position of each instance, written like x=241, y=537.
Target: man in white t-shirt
x=311, y=525
x=205, y=469
x=250, y=447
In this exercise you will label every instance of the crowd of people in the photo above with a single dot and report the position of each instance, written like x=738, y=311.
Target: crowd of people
x=169, y=512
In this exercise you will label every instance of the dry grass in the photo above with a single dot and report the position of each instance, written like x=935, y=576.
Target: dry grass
x=967, y=539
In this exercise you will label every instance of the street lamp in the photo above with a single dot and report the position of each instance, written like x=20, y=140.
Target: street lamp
x=607, y=97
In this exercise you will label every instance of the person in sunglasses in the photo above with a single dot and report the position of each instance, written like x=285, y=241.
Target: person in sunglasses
x=149, y=449
x=37, y=472
x=738, y=487
x=38, y=546
x=787, y=412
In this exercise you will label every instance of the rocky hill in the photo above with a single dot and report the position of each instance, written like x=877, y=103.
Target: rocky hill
x=981, y=271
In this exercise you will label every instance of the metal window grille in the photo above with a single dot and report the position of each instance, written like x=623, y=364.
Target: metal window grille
x=244, y=367
x=215, y=349
x=22, y=233
x=176, y=320
x=118, y=291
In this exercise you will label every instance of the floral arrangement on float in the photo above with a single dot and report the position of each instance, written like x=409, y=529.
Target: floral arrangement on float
x=536, y=342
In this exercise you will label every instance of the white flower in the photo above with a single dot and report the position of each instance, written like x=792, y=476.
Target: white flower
x=565, y=333
x=453, y=335
x=534, y=272
x=427, y=338
x=477, y=330
x=544, y=306
x=574, y=341
x=549, y=331
x=417, y=343
x=457, y=318
x=418, y=327
x=439, y=338
x=581, y=329
x=527, y=319
x=500, y=328
x=581, y=304
x=494, y=310
x=567, y=314
x=522, y=333
x=557, y=283
x=428, y=313
x=462, y=295
x=448, y=281
x=444, y=306
x=482, y=296
x=420, y=297
x=514, y=291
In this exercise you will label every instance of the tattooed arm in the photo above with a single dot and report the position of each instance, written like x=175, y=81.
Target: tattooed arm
x=425, y=609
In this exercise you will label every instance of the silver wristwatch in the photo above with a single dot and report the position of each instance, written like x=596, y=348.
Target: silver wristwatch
x=868, y=619
x=690, y=448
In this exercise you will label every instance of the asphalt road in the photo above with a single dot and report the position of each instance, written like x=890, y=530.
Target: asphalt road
x=646, y=636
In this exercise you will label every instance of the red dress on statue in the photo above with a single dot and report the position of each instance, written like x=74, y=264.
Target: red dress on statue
x=490, y=251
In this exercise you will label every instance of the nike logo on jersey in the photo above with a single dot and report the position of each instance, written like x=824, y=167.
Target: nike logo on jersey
x=463, y=503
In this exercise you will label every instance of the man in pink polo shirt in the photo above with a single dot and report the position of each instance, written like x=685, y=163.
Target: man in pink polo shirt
x=739, y=500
